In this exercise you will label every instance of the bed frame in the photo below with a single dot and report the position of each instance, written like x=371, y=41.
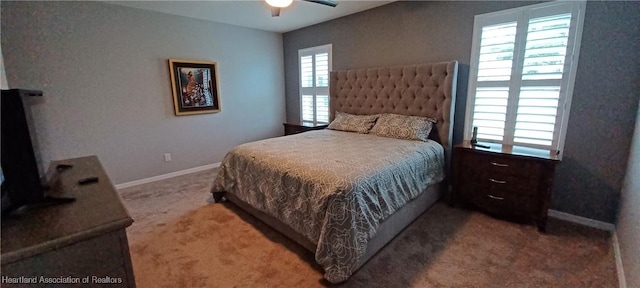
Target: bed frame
x=417, y=90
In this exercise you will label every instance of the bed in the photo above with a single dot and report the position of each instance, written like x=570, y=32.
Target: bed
x=344, y=195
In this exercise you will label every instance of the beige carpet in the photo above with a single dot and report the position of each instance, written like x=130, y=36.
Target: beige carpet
x=180, y=240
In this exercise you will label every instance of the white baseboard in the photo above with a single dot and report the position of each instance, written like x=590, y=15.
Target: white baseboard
x=616, y=251
x=581, y=220
x=167, y=176
x=598, y=225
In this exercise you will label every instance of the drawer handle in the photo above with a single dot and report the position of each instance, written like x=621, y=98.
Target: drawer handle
x=495, y=197
x=497, y=181
x=499, y=164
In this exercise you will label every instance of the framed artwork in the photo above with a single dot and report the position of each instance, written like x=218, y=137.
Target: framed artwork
x=195, y=86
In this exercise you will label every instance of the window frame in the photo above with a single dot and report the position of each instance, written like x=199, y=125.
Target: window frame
x=522, y=15
x=312, y=51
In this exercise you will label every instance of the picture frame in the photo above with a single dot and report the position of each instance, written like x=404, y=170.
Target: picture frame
x=195, y=86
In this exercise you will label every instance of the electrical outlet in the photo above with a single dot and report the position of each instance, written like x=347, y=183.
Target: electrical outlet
x=167, y=157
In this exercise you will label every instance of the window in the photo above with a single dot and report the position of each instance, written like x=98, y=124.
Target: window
x=315, y=64
x=523, y=66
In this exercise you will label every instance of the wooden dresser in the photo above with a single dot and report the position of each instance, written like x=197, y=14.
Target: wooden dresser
x=299, y=127
x=504, y=181
x=82, y=243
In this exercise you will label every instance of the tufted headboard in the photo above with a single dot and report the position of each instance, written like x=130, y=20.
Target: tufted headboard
x=416, y=90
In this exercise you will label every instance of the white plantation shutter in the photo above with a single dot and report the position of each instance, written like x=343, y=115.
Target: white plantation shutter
x=542, y=72
x=306, y=71
x=523, y=66
x=307, y=108
x=494, y=72
x=322, y=108
x=315, y=64
x=322, y=69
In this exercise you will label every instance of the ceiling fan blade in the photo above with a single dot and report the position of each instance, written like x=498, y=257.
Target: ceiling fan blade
x=275, y=11
x=324, y=2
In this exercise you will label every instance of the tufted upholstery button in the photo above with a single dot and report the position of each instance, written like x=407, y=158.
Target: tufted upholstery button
x=414, y=89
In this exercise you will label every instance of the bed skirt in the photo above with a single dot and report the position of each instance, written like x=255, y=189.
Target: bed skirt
x=387, y=230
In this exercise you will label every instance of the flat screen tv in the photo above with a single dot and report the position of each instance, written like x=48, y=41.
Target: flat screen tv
x=20, y=158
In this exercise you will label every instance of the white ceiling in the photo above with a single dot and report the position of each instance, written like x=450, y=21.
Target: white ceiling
x=255, y=13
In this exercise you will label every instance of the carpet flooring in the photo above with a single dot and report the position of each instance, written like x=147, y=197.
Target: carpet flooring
x=178, y=239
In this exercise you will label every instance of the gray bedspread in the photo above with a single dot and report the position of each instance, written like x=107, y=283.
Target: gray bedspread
x=332, y=187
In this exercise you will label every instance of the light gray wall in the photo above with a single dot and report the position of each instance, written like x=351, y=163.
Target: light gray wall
x=589, y=179
x=105, y=77
x=628, y=227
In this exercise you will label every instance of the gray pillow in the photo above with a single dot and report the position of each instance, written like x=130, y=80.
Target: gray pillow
x=353, y=123
x=403, y=127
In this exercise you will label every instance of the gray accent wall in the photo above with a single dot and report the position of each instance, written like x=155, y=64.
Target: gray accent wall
x=107, y=90
x=400, y=33
x=3, y=76
x=628, y=226
x=589, y=180
x=603, y=112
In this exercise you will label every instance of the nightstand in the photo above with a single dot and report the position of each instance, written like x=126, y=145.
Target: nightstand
x=299, y=127
x=504, y=180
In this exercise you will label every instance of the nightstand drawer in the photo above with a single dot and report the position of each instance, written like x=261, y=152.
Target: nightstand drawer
x=511, y=196
x=505, y=204
x=295, y=128
x=512, y=184
x=500, y=181
x=503, y=165
x=289, y=130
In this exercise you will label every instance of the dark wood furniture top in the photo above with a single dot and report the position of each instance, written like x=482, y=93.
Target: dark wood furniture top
x=82, y=242
x=299, y=127
x=98, y=209
x=504, y=180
